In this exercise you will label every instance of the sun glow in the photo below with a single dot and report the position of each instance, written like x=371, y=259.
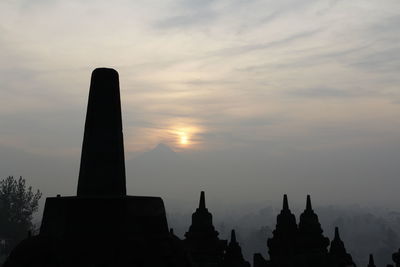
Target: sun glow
x=184, y=136
x=184, y=139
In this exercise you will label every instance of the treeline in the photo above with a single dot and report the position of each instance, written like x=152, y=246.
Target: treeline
x=18, y=203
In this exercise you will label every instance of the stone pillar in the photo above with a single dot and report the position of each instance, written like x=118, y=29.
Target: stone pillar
x=102, y=169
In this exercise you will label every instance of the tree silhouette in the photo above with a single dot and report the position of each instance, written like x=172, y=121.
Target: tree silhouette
x=17, y=205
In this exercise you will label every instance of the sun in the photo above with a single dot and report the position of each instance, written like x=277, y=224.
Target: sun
x=184, y=139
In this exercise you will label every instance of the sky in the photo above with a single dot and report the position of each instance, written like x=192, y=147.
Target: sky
x=254, y=98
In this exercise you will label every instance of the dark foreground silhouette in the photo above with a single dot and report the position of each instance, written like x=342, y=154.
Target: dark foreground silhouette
x=102, y=226
x=303, y=244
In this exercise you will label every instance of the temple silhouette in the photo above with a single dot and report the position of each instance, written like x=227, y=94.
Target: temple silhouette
x=202, y=240
x=303, y=244
x=102, y=226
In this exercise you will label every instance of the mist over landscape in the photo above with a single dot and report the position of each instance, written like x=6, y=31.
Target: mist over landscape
x=243, y=192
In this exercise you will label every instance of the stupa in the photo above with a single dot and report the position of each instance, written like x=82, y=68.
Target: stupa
x=101, y=226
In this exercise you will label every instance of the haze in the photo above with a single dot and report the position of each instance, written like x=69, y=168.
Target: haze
x=250, y=99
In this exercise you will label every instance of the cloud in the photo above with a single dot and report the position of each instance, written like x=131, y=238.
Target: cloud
x=326, y=92
x=188, y=14
x=235, y=51
x=386, y=60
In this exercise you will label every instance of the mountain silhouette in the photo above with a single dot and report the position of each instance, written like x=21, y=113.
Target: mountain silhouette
x=160, y=167
x=162, y=148
x=161, y=151
x=160, y=154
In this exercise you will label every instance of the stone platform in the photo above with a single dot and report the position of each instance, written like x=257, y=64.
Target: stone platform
x=126, y=217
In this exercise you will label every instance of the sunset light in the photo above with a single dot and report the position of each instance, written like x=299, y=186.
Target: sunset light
x=144, y=128
x=183, y=139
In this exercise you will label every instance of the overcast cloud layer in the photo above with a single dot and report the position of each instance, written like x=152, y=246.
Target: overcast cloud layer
x=297, y=96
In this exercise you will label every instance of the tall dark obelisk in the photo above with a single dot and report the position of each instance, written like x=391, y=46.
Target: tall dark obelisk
x=101, y=226
x=102, y=170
